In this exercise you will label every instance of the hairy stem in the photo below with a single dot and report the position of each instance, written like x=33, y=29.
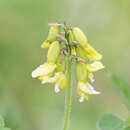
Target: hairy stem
x=68, y=94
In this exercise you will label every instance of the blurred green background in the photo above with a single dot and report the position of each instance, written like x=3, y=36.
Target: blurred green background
x=25, y=104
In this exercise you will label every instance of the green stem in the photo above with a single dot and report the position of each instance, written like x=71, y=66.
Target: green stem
x=68, y=95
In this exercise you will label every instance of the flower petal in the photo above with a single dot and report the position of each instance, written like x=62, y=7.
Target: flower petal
x=90, y=86
x=44, y=69
x=81, y=99
x=92, y=53
x=91, y=77
x=52, y=79
x=95, y=66
x=45, y=44
x=45, y=79
x=59, y=79
x=57, y=87
x=87, y=88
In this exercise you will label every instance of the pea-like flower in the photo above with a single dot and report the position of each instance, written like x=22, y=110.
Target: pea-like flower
x=51, y=37
x=80, y=37
x=74, y=44
x=84, y=89
x=92, y=54
x=59, y=78
x=60, y=81
x=93, y=67
x=44, y=71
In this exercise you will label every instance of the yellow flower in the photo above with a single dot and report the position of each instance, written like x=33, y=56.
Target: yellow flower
x=53, y=52
x=80, y=52
x=93, y=67
x=60, y=76
x=51, y=37
x=44, y=70
x=84, y=89
x=92, y=54
x=81, y=71
x=54, y=69
x=45, y=78
x=80, y=37
x=60, y=81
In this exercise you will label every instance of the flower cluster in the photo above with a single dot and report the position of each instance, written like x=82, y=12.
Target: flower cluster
x=62, y=40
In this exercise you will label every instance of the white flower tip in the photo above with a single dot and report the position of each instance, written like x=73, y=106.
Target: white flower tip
x=81, y=99
x=98, y=92
x=92, y=80
x=36, y=72
x=43, y=82
x=33, y=75
x=90, y=86
x=95, y=66
x=95, y=92
x=57, y=88
x=91, y=77
x=52, y=79
x=102, y=66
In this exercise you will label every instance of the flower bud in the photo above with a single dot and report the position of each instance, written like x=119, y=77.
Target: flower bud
x=53, y=30
x=80, y=37
x=81, y=71
x=51, y=37
x=53, y=52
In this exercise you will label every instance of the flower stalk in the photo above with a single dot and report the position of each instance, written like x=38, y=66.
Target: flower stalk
x=68, y=95
x=68, y=88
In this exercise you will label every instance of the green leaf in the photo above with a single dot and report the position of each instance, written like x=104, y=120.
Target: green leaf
x=128, y=128
x=127, y=122
x=1, y=123
x=122, y=87
x=110, y=122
